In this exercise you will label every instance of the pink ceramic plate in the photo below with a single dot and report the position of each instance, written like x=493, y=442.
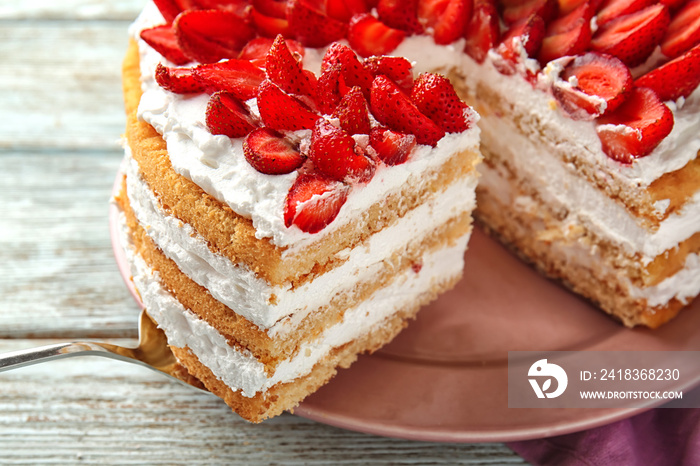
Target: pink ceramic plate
x=445, y=377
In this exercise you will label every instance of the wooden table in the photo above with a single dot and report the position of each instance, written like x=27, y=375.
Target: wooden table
x=61, y=119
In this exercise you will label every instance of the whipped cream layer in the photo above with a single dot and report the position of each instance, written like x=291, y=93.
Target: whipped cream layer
x=216, y=163
x=239, y=369
x=240, y=289
x=538, y=104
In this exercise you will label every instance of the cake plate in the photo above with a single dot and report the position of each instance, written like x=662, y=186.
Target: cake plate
x=444, y=378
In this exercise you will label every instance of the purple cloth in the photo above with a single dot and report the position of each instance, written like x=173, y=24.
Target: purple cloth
x=662, y=436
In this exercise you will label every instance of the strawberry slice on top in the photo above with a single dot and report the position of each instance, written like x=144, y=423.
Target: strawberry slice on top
x=684, y=31
x=613, y=9
x=400, y=14
x=228, y=116
x=313, y=202
x=207, y=36
x=392, y=147
x=448, y=19
x=335, y=154
x=398, y=69
x=591, y=85
x=526, y=37
x=636, y=127
x=435, y=97
x=285, y=70
x=163, y=41
x=270, y=152
x=239, y=77
x=369, y=36
x=282, y=111
x=352, y=112
x=677, y=78
x=568, y=35
x=312, y=27
x=483, y=31
x=518, y=10
x=178, y=80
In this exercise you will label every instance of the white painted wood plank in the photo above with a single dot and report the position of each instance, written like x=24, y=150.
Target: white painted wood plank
x=96, y=410
x=70, y=9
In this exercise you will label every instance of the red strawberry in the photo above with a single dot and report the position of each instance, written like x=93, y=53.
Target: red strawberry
x=633, y=37
x=525, y=35
x=392, y=147
x=567, y=6
x=272, y=8
x=568, y=35
x=311, y=27
x=340, y=71
x=178, y=80
x=483, y=31
x=343, y=10
x=677, y=78
x=435, y=97
x=398, y=69
x=239, y=77
x=256, y=50
x=210, y=35
x=238, y=7
x=672, y=4
x=592, y=84
x=518, y=10
x=169, y=9
x=352, y=112
x=162, y=39
x=447, y=18
x=229, y=116
x=684, y=31
x=400, y=14
x=313, y=202
x=636, y=127
x=613, y=9
x=336, y=155
x=369, y=36
x=331, y=88
x=286, y=71
x=268, y=26
x=392, y=108
x=271, y=153
x=283, y=111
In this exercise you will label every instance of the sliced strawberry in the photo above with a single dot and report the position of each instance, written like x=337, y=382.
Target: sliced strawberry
x=568, y=35
x=342, y=70
x=335, y=154
x=343, y=10
x=210, y=35
x=272, y=8
x=684, y=31
x=400, y=14
x=369, y=36
x=353, y=113
x=613, y=9
x=169, y=9
x=677, y=78
x=483, y=31
x=283, y=111
x=524, y=36
x=313, y=202
x=672, y=4
x=447, y=18
x=398, y=69
x=238, y=7
x=286, y=71
x=311, y=27
x=331, y=88
x=518, y=10
x=239, y=77
x=229, y=116
x=256, y=50
x=271, y=153
x=392, y=108
x=567, y=6
x=633, y=37
x=163, y=40
x=592, y=84
x=435, y=97
x=636, y=127
x=392, y=147
x=268, y=26
x=178, y=80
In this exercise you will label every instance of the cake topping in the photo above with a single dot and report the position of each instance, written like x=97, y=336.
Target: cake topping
x=391, y=147
x=227, y=115
x=270, y=152
x=208, y=36
x=336, y=155
x=313, y=202
x=567, y=35
x=178, y=80
x=280, y=110
x=313, y=28
x=518, y=10
x=684, y=31
x=674, y=79
x=483, y=32
x=447, y=19
x=435, y=97
x=368, y=36
x=163, y=40
x=353, y=113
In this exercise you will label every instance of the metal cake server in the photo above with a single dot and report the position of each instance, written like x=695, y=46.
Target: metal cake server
x=152, y=352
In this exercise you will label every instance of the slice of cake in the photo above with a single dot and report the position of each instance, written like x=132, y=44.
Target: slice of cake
x=280, y=221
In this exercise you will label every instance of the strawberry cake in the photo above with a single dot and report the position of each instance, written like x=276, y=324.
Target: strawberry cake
x=286, y=204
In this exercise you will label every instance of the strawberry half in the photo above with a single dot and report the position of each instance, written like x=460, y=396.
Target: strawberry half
x=447, y=18
x=169, y=9
x=286, y=71
x=684, y=31
x=163, y=41
x=269, y=26
x=311, y=27
x=210, y=35
x=636, y=127
x=518, y=10
x=435, y=97
x=568, y=35
x=272, y=8
x=229, y=116
x=368, y=36
x=340, y=71
x=633, y=37
x=483, y=31
x=271, y=153
x=398, y=69
x=392, y=147
x=279, y=110
x=524, y=36
x=677, y=78
x=178, y=80
x=591, y=85
x=400, y=14
x=336, y=155
x=613, y=9
x=343, y=10
x=313, y=202
x=392, y=108
x=239, y=77
x=353, y=113
x=256, y=50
